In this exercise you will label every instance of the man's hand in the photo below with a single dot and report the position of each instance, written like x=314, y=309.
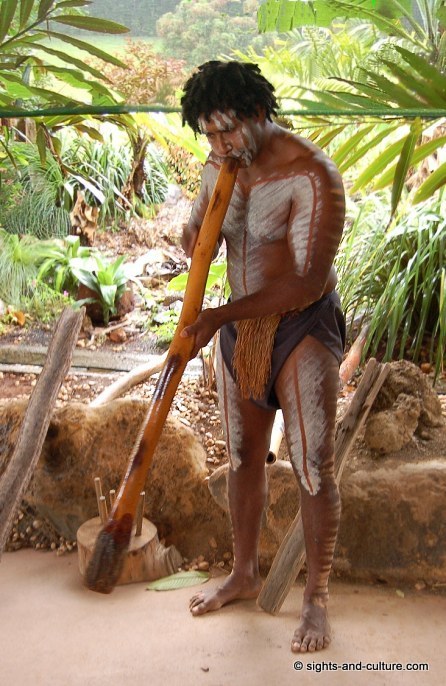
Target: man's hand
x=203, y=329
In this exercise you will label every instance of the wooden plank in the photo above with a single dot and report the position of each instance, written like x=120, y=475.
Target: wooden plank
x=37, y=417
x=106, y=361
x=291, y=555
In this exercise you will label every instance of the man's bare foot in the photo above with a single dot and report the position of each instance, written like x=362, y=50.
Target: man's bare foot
x=313, y=632
x=234, y=588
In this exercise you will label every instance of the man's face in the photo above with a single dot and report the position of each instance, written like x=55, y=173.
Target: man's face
x=230, y=136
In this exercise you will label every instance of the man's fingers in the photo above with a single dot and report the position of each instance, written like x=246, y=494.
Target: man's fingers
x=186, y=332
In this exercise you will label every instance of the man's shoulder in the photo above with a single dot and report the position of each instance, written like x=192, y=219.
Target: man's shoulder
x=303, y=157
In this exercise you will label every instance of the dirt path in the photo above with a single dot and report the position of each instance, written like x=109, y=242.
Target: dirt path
x=55, y=632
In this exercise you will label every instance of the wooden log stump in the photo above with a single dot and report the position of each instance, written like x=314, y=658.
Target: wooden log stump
x=146, y=558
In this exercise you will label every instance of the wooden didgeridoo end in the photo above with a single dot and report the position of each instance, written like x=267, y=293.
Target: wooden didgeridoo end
x=108, y=557
x=112, y=543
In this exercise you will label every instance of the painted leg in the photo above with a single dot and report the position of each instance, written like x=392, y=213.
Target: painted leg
x=247, y=430
x=307, y=389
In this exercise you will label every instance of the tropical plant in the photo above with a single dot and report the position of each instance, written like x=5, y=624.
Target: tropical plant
x=403, y=84
x=108, y=280
x=25, y=28
x=40, y=204
x=44, y=304
x=395, y=279
x=20, y=258
x=57, y=266
x=216, y=282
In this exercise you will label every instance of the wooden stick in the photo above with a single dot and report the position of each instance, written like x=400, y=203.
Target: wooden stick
x=138, y=375
x=140, y=515
x=353, y=358
x=37, y=417
x=291, y=554
x=103, y=514
x=112, y=495
x=276, y=438
x=108, y=556
x=98, y=490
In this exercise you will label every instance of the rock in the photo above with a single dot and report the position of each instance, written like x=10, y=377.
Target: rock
x=406, y=378
x=393, y=525
x=84, y=442
x=406, y=405
x=390, y=430
x=118, y=335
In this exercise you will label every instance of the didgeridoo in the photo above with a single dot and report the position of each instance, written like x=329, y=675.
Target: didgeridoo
x=111, y=545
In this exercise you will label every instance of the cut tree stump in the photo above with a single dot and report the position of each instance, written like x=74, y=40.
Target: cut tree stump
x=18, y=473
x=291, y=554
x=145, y=560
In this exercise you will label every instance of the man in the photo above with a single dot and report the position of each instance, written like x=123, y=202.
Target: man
x=281, y=333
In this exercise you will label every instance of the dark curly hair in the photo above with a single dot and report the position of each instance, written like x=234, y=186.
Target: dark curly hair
x=237, y=86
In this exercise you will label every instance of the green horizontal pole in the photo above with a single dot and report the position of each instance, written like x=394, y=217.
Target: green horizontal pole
x=16, y=113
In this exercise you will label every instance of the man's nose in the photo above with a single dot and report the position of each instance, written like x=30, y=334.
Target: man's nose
x=222, y=145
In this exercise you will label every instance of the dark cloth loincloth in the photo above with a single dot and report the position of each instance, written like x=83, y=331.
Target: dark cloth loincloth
x=323, y=319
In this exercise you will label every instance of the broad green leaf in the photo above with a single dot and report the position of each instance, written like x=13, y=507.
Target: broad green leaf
x=90, y=131
x=15, y=87
x=328, y=136
x=350, y=144
x=86, y=278
x=88, y=185
x=433, y=183
x=76, y=79
x=404, y=163
x=392, y=91
x=179, y=580
x=7, y=12
x=74, y=3
x=360, y=152
x=426, y=71
x=178, y=283
x=108, y=293
x=92, y=49
x=421, y=152
x=91, y=24
x=426, y=95
x=66, y=57
x=72, y=77
x=283, y=15
x=44, y=7
x=378, y=165
x=25, y=10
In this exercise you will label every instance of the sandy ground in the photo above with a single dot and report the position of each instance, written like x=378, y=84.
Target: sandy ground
x=56, y=632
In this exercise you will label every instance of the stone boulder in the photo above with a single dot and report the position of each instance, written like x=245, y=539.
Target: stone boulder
x=84, y=442
x=406, y=407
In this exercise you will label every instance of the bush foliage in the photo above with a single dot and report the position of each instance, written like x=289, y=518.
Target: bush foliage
x=200, y=30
